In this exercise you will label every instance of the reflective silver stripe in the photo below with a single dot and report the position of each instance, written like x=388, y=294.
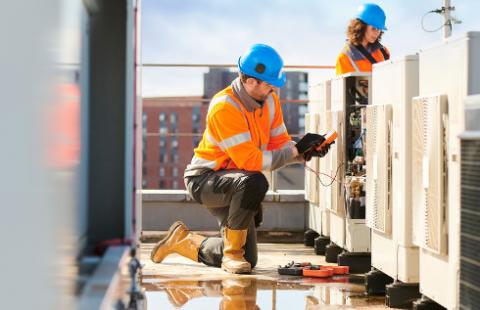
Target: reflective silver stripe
x=278, y=131
x=351, y=60
x=211, y=139
x=235, y=140
x=200, y=162
x=271, y=109
x=220, y=99
x=267, y=160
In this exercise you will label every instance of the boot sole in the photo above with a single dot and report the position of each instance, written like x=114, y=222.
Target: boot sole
x=171, y=230
x=237, y=271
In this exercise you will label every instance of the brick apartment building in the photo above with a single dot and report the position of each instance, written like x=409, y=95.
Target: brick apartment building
x=172, y=128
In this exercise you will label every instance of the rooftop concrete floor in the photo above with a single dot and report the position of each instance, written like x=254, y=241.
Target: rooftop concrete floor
x=181, y=283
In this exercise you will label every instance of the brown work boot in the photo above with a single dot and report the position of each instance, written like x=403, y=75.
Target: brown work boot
x=233, y=260
x=179, y=240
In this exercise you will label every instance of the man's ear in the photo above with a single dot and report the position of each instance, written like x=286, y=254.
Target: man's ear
x=251, y=82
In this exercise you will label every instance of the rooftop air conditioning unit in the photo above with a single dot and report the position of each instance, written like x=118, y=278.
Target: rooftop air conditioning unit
x=348, y=92
x=453, y=69
x=395, y=83
x=319, y=104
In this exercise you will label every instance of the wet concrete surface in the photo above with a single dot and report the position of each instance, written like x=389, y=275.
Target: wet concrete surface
x=179, y=283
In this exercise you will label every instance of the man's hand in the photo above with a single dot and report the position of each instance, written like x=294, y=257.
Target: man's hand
x=317, y=153
x=309, y=141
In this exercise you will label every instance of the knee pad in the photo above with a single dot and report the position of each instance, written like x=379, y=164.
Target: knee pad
x=255, y=187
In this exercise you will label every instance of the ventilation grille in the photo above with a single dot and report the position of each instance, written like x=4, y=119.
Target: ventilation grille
x=429, y=171
x=470, y=225
x=378, y=168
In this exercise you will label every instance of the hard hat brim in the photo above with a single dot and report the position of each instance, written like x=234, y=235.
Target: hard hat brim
x=278, y=82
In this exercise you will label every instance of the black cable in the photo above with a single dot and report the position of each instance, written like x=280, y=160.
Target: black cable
x=318, y=175
x=437, y=11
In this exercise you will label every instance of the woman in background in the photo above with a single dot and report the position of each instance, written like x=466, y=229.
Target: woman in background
x=363, y=47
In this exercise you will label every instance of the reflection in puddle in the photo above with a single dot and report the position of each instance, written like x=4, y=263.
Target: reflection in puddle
x=244, y=292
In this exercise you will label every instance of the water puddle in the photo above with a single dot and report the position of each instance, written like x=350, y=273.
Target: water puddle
x=249, y=292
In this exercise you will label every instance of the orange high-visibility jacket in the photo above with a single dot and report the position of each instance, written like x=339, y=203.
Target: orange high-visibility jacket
x=352, y=60
x=236, y=138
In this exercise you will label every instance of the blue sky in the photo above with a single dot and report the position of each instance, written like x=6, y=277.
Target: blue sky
x=303, y=31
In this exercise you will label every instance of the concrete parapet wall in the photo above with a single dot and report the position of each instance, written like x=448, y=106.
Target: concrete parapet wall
x=284, y=210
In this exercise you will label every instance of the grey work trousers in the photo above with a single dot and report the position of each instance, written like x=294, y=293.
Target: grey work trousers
x=234, y=197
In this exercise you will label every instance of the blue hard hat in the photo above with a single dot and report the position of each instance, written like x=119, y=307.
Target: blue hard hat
x=372, y=14
x=263, y=62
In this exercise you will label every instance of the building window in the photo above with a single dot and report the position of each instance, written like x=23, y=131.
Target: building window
x=161, y=184
x=301, y=117
x=174, y=149
x=175, y=184
x=196, y=119
x=144, y=183
x=161, y=171
x=162, y=119
x=173, y=122
x=144, y=170
x=162, y=149
x=175, y=172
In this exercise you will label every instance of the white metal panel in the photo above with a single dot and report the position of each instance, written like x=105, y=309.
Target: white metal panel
x=435, y=277
x=314, y=162
x=337, y=94
x=315, y=217
x=325, y=165
x=401, y=149
x=337, y=229
x=384, y=254
x=395, y=260
x=408, y=264
x=338, y=164
x=319, y=97
x=357, y=238
x=325, y=222
x=308, y=174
